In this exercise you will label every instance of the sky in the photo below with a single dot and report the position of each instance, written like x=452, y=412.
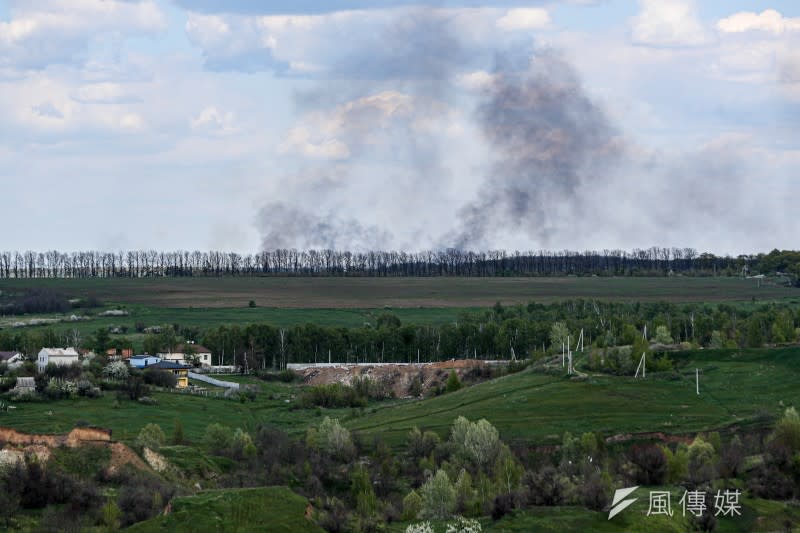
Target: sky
x=396, y=124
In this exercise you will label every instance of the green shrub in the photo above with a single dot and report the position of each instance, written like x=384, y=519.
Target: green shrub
x=334, y=395
x=453, y=383
x=151, y=436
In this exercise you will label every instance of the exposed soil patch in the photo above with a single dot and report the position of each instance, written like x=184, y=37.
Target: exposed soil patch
x=404, y=380
x=17, y=445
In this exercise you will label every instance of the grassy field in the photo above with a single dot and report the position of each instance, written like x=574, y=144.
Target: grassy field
x=274, y=509
x=371, y=293
x=126, y=418
x=737, y=387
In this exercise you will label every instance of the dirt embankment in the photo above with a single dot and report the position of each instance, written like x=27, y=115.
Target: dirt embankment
x=76, y=437
x=16, y=445
x=403, y=380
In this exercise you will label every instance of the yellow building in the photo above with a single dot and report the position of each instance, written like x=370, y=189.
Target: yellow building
x=181, y=372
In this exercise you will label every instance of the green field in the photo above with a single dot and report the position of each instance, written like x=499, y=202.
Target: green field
x=275, y=509
x=371, y=293
x=738, y=387
x=126, y=418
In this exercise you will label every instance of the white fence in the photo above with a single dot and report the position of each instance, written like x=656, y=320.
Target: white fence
x=215, y=382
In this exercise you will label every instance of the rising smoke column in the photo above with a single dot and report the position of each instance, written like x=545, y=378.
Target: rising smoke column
x=547, y=137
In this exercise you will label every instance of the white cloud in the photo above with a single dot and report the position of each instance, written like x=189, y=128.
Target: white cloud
x=131, y=122
x=213, y=121
x=769, y=21
x=532, y=18
x=233, y=43
x=104, y=93
x=59, y=31
x=668, y=23
x=476, y=81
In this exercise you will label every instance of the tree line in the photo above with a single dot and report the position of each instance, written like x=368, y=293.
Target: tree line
x=449, y=262
x=500, y=332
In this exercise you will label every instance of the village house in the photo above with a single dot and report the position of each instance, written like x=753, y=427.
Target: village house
x=56, y=356
x=185, y=353
x=12, y=359
x=119, y=353
x=181, y=372
x=143, y=361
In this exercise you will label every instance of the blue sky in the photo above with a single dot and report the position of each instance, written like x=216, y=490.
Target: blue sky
x=233, y=124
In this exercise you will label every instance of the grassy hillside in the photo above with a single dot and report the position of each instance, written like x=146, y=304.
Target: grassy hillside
x=736, y=387
x=126, y=418
x=275, y=509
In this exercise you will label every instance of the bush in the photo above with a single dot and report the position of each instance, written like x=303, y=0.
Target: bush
x=286, y=376
x=367, y=387
x=453, y=383
x=421, y=444
x=135, y=388
x=160, y=378
x=151, y=436
x=87, y=390
x=412, y=505
x=651, y=464
x=334, y=395
x=142, y=497
x=787, y=430
x=546, y=486
x=335, y=439
x=116, y=370
x=438, y=497
x=217, y=438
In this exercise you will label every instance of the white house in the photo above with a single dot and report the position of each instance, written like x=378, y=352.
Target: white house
x=181, y=357
x=143, y=361
x=56, y=356
x=12, y=359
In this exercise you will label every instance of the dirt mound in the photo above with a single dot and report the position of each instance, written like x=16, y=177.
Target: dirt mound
x=403, y=380
x=18, y=444
x=121, y=455
x=76, y=437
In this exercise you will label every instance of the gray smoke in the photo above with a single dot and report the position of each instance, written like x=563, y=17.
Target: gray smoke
x=415, y=58
x=548, y=138
x=289, y=227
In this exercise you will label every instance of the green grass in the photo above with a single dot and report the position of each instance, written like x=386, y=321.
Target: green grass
x=274, y=509
x=372, y=293
x=737, y=387
x=212, y=317
x=126, y=418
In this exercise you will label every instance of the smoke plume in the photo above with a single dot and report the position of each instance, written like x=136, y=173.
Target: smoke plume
x=547, y=137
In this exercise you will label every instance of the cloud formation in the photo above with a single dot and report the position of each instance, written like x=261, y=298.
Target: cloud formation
x=45, y=32
x=668, y=23
x=769, y=21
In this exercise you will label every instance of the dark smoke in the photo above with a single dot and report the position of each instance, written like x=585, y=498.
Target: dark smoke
x=288, y=227
x=548, y=138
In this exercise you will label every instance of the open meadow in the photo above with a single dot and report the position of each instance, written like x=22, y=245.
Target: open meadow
x=374, y=292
